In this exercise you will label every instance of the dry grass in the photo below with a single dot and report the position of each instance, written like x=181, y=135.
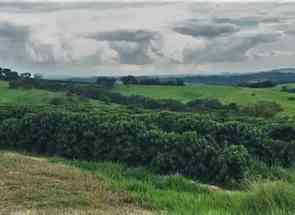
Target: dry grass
x=30, y=185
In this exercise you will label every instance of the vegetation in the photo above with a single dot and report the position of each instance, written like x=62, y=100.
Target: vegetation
x=127, y=80
x=258, y=84
x=200, y=147
x=102, y=92
x=162, y=150
x=177, y=195
x=105, y=82
x=26, y=97
x=33, y=185
x=226, y=94
x=72, y=186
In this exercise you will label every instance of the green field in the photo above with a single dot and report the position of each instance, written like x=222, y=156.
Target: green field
x=42, y=185
x=226, y=94
x=25, y=97
x=43, y=97
x=113, y=188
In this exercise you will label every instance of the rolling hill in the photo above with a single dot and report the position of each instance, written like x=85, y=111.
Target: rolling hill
x=58, y=185
x=226, y=94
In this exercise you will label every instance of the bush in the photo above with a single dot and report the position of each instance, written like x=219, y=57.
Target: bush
x=233, y=164
x=123, y=138
x=263, y=109
x=57, y=101
x=205, y=104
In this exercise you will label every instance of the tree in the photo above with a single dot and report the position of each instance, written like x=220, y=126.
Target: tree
x=284, y=89
x=265, y=109
x=38, y=76
x=150, y=81
x=205, y=104
x=105, y=82
x=9, y=75
x=233, y=164
x=179, y=82
x=129, y=80
x=25, y=75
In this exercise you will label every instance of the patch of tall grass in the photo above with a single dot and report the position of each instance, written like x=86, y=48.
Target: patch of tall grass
x=178, y=195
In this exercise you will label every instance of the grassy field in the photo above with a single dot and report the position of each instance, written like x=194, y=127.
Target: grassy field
x=32, y=185
x=226, y=94
x=40, y=185
x=178, y=195
x=43, y=97
x=27, y=97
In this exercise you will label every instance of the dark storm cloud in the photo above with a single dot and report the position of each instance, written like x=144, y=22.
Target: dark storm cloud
x=13, y=41
x=11, y=31
x=231, y=49
x=197, y=28
x=132, y=46
x=126, y=35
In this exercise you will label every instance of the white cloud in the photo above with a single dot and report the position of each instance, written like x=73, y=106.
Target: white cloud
x=146, y=37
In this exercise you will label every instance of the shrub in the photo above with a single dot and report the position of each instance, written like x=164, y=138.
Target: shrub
x=233, y=164
x=115, y=137
x=263, y=109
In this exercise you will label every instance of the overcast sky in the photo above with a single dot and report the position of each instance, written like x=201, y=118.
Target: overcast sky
x=64, y=38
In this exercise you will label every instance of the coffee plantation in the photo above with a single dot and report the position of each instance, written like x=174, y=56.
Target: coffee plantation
x=202, y=147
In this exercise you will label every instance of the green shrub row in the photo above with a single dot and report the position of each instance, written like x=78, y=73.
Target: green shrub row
x=193, y=145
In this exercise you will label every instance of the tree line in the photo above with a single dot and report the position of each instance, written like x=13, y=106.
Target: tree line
x=261, y=109
x=109, y=82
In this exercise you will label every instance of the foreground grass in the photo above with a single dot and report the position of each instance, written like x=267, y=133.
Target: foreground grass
x=32, y=185
x=226, y=94
x=178, y=195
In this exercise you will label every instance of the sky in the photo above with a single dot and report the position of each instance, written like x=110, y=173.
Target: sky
x=65, y=38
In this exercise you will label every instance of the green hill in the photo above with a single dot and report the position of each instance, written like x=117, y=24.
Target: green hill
x=226, y=94
x=43, y=185
x=40, y=185
x=34, y=185
x=27, y=97
x=37, y=97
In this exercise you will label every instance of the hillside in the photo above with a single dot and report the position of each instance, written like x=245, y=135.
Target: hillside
x=40, y=185
x=226, y=94
x=28, y=97
x=33, y=185
x=143, y=161
x=278, y=76
x=37, y=97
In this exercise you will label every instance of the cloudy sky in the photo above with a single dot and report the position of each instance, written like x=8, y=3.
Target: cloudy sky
x=72, y=38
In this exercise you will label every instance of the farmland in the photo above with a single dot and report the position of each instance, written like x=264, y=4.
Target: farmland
x=226, y=94
x=98, y=156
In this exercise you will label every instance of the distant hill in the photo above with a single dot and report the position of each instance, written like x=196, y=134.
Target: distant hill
x=278, y=76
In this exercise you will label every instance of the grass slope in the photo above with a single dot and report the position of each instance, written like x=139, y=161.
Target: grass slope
x=43, y=97
x=178, y=195
x=25, y=97
x=226, y=94
x=32, y=185
x=39, y=185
